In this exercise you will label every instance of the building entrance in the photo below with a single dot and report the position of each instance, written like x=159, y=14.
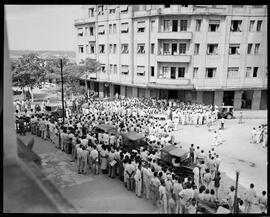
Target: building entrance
x=117, y=89
x=172, y=94
x=228, y=98
x=246, y=100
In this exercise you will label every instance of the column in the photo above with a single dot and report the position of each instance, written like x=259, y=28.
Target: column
x=147, y=93
x=199, y=97
x=91, y=85
x=122, y=91
x=181, y=95
x=256, y=100
x=218, y=97
x=111, y=90
x=101, y=89
x=188, y=95
x=237, y=101
x=134, y=92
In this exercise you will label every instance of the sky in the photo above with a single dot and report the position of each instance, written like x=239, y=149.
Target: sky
x=42, y=27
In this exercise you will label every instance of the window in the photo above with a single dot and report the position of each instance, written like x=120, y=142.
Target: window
x=210, y=72
x=80, y=32
x=164, y=73
x=110, y=29
x=90, y=12
x=166, y=25
x=173, y=72
x=236, y=25
x=181, y=72
x=256, y=50
x=91, y=28
x=124, y=69
x=259, y=25
x=233, y=72
x=234, y=49
x=167, y=6
x=124, y=27
x=255, y=72
x=248, y=72
x=124, y=49
x=92, y=48
x=249, y=49
x=114, y=28
x=111, y=48
x=102, y=67
x=166, y=49
x=175, y=25
x=152, y=48
x=115, y=69
x=141, y=26
x=101, y=29
x=100, y=10
x=153, y=26
x=195, y=72
x=182, y=48
x=112, y=9
x=152, y=71
x=212, y=49
x=196, y=49
x=140, y=70
x=183, y=25
x=80, y=48
x=111, y=68
x=251, y=25
x=123, y=9
x=213, y=25
x=101, y=48
x=140, y=49
x=198, y=25
x=174, y=49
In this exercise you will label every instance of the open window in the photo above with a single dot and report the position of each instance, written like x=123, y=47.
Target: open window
x=124, y=27
x=140, y=49
x=101, y=48
x=213, y=25
x=124, y=69
x=212, y=49
x=210, y=72
x=101, y=29
x=234, y=49
x=236, y=25
x=124, y=49
x=141, y=26
x=173, y=72
x=181, y=72
x=140, y=70
x=80, y=32
x=174, y=49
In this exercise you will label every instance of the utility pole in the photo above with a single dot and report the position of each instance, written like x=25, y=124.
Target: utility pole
x=235, y=196
x=62, y=81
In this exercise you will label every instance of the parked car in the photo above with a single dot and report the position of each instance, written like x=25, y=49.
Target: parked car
x=105, y=128
x=54, y=109
x=225, y=112
x=133, y=140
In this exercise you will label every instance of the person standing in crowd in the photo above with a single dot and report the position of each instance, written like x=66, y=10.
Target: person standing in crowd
x=163, y=196
x=191, y=152
x=130, y=170
x=138, y=181
x=249, y=199
x=186, y=196
x=196, y=175
x=216, y=180
x=95, y=162
x=111, y=163
x=222, y=121
x=230, y=198
x=240, y=118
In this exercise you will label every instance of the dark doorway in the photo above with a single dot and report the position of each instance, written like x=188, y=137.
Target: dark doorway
x=174, y=49
x=106, y=90
x=208, y=97
x=96, y=87
x=172, y=94
x=117, y=89
x=228, y=98
x=246, y=99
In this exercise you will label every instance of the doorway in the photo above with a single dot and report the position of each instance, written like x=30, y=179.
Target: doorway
x=172, y=94
x=117, y=89
x=246, y=99
x=174, y=25
x=228, y=98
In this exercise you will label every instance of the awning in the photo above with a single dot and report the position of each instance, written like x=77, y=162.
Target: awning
x=123, y=7
x=217, y=22
x=80, y=30
x=101, y=29
x=141, y=24
x=124, y=27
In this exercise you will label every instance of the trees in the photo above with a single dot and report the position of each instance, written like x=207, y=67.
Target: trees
x=28, y=71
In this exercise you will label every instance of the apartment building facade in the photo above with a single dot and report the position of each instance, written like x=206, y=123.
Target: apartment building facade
x=211, y=54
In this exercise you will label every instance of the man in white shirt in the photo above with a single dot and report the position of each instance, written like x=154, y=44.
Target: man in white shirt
x=186, y=196
x=94, y=157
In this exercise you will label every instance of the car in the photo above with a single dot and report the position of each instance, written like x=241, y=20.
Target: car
x=54, y=109
x=105, y=128
x=133, y=140
x=171, y=155
x=225, y=112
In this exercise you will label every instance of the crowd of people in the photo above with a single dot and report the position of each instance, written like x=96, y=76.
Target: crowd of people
x=259, y=135
x=140, y=169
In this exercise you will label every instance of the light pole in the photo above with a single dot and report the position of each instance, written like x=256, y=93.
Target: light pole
x=235, y=196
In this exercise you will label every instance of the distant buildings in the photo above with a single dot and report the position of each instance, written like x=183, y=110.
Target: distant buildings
x=210, y=54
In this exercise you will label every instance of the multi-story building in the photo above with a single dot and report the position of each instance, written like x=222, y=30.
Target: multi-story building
x=210, y=54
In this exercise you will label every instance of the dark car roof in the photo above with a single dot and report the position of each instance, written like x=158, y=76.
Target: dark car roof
x=178, y=152
x=134, y=135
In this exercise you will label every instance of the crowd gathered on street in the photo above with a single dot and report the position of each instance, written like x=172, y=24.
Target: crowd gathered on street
x=140, y=169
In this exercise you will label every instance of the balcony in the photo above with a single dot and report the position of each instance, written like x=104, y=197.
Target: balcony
x=142, y=13
x=170, y=83
x=90, y=38
x=175, y=9
x=210, y=10
x=84, y=21
x=174, y=58
x=174, y=35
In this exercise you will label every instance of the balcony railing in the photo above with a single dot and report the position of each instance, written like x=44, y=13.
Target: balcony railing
x=184, y=58
x=174, y=35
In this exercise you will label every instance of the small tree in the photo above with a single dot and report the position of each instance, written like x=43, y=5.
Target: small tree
x=28, y=71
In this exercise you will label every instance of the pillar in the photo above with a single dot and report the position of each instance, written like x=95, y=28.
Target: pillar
x=188, y=95
x=101, y=89
x=147, y=93
x=91, y=85
x=218, y=97
x=111, y=90
x=134, y=92
x=237, y=101
x=122, y=91
x=181, y=95
x=199, y=97
x=256, y=100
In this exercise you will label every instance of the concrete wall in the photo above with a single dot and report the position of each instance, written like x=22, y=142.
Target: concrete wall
x=237, y=101
x=208, y=97
x=263, y=104
x=256, y=100
x=218, y=98
x=122, y=91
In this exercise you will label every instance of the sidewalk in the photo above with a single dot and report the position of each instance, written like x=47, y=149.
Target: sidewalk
x=252, y=114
